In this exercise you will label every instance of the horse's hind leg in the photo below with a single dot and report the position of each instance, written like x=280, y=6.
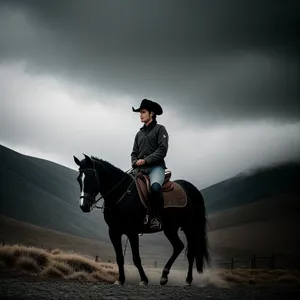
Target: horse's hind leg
x=190, y=255
x=178, y=246
x=116, y=239
x=134, y=243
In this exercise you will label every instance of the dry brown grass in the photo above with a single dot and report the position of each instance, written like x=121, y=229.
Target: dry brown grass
x=55, y=251
x=58, y=264
x=260, y=277
x=54, y=264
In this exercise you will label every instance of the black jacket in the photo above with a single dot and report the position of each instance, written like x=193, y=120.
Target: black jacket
x=150, y=143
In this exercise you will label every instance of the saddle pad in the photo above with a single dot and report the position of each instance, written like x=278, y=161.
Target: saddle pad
x=174, y=197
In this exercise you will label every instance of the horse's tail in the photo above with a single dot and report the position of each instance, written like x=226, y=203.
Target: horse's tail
x=202, y=250
x=196, y=228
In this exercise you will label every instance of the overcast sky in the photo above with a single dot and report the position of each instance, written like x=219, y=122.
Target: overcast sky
x=225, y=72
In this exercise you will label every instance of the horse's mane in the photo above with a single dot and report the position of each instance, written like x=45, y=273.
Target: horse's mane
x=110, y=167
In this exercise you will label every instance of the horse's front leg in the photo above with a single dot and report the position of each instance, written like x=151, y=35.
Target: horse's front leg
x=134, y=243
x=116, y=239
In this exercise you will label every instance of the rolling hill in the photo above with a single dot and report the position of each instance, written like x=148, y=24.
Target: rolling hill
x=23, y=233
x=248, y=187
x=265, y=226
x=45, y=194
x=243, y=211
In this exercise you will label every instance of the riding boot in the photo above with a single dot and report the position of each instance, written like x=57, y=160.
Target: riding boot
x=157, y=206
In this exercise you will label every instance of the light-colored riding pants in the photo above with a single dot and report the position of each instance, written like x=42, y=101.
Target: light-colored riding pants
x=157, y=174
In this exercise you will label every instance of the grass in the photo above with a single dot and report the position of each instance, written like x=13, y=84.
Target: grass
x=43, y=263
x=260, y=277
x=31, y=260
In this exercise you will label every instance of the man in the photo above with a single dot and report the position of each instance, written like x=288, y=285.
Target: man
x=149, y=151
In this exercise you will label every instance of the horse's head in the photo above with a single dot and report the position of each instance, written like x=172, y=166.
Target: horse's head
x=88, y=181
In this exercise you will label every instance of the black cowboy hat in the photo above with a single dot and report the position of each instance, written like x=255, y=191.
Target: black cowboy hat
x=149, y=105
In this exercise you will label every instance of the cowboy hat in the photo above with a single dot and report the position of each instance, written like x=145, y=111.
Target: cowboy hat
x=149, y=105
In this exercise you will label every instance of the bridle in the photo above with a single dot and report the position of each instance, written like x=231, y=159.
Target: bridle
x=127, y=192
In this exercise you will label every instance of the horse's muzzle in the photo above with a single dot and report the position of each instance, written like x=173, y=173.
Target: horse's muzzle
x=86, y=202
x=85, y=208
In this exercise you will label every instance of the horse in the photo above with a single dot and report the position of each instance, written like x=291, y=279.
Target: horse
x=124, y=214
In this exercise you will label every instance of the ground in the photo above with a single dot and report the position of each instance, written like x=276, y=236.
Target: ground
x=28, y=272
x=14, y=288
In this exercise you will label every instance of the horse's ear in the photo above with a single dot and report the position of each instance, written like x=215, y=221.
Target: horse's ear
x=88, y=159
x=77, y=161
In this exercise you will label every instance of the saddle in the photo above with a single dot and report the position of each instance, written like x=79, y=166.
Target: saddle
x=173, y=193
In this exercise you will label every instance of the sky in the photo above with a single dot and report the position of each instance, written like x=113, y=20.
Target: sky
x=225, y=72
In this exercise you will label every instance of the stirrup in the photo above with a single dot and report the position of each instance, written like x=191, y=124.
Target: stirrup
x=146, y=219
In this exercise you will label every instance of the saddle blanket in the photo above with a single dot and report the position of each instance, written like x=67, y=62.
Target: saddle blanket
x=173, y=193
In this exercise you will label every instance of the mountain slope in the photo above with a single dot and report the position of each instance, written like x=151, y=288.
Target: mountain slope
x=46, y=194
x=246, y=188
x=18, y=232
x=265, y=226
x=268, y=209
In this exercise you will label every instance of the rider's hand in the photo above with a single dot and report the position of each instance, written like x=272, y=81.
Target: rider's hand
x=140, y=162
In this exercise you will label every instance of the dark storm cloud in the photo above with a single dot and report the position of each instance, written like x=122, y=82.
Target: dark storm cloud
x=211, y=59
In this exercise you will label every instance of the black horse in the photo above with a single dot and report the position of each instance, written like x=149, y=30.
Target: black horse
x=124, y=214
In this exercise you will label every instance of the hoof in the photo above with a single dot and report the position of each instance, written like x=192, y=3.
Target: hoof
x=117, y=282
x=187, y=283
x=163, y=280
x=143, y=283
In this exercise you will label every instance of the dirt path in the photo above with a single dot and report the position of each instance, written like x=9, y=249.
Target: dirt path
x=14, y=288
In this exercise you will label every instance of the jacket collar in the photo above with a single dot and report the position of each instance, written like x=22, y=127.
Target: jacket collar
x=149, y=127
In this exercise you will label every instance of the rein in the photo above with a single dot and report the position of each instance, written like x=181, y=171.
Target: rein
x=128, y=191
